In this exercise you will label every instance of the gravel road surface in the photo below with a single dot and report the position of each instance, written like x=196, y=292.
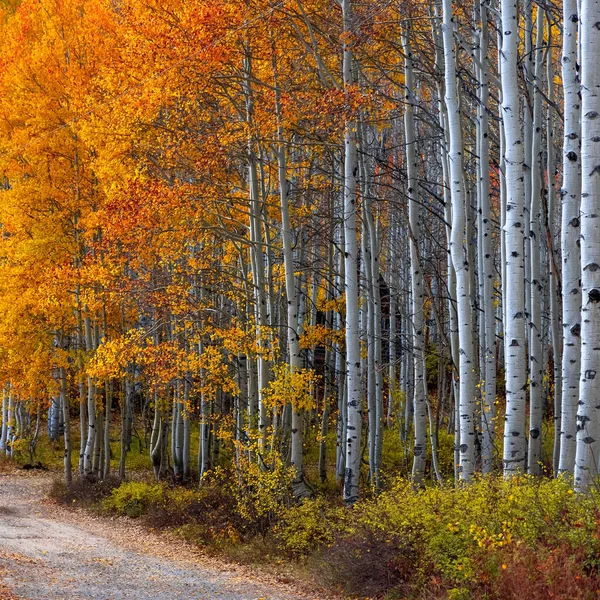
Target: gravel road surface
x=49, y=553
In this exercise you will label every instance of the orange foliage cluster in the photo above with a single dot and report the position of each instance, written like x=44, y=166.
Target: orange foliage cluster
x=124, y=133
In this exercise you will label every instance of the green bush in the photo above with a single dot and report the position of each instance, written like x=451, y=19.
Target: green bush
x=463, y=539
x=307, y=527
x=133, y=498
x=468, y=541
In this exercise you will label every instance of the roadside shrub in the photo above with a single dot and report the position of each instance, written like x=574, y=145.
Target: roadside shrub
x=133, y=498
x=469, y=538
x=206, y=515
x=495, y=539
x=307, y=527
x=537, y=574
x=261, y=490
x=370, y=563
x=82, y=492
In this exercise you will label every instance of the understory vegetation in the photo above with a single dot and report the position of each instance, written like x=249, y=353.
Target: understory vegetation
x=527, y=537
x=523, y=538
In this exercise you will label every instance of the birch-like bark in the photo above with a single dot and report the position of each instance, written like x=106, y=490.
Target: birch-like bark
x=536, y=360
x=68, y=470
x=454, y=420
x=588, y=412
x=569, y=240
x=187, y=426
x=354, y=387
x=4, y=433
x=293, y=330
x=459, y=256
x=488, y=412
x=370, y=264
x=10, y=425
x=417, y=285
x=125, y=425
x=107, y=420
x=553, y=272
x=88, y=455
x=514, y=284
x=257, y=256
x=340, y=358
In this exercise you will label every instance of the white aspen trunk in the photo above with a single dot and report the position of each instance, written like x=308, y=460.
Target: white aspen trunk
x=125, y=425
x=107, y=419
x=536, y=359
x=459, y=257
x=370, y=246
x=177, y=431
x=588, y=412
x=155, y=438
x=187, y=426
x=98, y=464
x=514, y=283
x=553, y=273
x=376, y=345
x=527, y=66
x=293, y=329
x=367, y=320
x=67, y=420
x=10, y=425
x=88, y=455
x=392, y=356
x=569, y=241
x=258, y=273
x=354, y=386
x=257, y=260
x=203, y=444
x=454, y=410
x=54, y=419
x=4, y=433
x=503, y=196
x=418, y=295
x=488, y=412
x=340, y=363
x=329, y=362
x=408, y=363
x=81, y=383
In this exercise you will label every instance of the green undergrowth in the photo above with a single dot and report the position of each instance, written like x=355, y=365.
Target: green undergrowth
x=494, y=539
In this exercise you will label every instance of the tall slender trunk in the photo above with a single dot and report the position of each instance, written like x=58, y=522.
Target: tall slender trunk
x=459, y=256
x=569, y=240
x=514, y=284
x=553, y=272
x=354, y=386
x=588, y=412
x=291, y=285
x=4, y=433
x=488, y=412
x=67, y=421
x=536, y=359
x=419, y=399
x=88, y=455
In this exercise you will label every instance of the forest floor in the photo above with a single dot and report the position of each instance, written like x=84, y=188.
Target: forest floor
x=49, y=553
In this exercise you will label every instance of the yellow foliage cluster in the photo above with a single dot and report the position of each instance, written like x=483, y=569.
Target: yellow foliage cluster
x=291, y=387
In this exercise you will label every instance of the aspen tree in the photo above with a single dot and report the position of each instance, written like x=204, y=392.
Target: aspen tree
x=536, y=360
x=569, y=240
x=588, y=412
x=417, y=313
x=459, y=256
x=514, y=284
x=293, y=327
x=487, y=253
x=354, y=384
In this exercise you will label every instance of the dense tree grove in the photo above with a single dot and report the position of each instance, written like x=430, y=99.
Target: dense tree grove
x=327, y=233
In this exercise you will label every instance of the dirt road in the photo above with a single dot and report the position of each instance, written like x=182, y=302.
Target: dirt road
x=48, y=553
